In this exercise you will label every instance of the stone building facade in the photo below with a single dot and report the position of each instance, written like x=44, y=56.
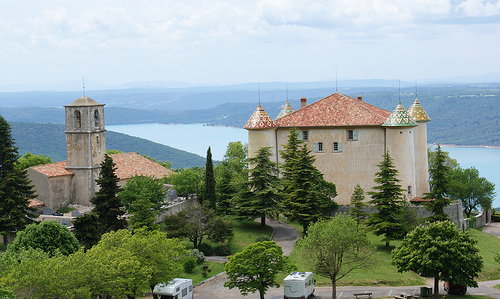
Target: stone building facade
x=348, y=138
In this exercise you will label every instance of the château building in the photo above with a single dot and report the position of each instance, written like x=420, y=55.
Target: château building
x=73, y=181
x=348, y=138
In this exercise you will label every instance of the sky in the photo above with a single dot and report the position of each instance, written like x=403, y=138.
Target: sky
x=239, y=41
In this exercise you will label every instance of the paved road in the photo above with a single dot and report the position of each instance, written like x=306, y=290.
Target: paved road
x=285, y=236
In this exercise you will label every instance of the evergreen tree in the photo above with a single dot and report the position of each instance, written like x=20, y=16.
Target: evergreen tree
x=261, y=195
x=387, y=199
x=209, y=194
x=15, y=188
x=107, y=205
x=306, y=194
x=86, y=229
x=357, y=203
x=438, y=172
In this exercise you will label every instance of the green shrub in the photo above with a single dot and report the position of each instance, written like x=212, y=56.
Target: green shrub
x=262, y=238
x=189, y=264
x=222, y=250
x=205, y=269
x=198, y=255
x=495, y=217
x=65, y=210
x=206, y=249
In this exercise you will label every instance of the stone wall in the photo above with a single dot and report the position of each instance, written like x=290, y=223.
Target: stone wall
x=176, y=207
x=454, y=211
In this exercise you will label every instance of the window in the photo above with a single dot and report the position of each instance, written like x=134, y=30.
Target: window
x=318, y=147
x=78, y=119
x=352, y=135
x=96, y=119
x=338, y=147
x=184, y=292
x=409, y=190
x=305, y=136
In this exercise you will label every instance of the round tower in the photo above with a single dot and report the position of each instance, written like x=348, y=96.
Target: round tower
x=418, y=113
x=400, y=145
x=85, y=146
x=260, y=128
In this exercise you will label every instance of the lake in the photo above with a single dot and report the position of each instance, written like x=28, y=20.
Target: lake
x=196, y=138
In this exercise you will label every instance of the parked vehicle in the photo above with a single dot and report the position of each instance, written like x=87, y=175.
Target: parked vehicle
x=455, y=289
x=177, y=288
x=299, y=285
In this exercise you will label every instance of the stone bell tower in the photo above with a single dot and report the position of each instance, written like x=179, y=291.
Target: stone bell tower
x=85, y=146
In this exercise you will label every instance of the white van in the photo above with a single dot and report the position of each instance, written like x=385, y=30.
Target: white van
x=177, y=288
x=299, y=285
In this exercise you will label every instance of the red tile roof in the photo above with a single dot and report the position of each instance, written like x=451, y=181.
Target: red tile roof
x=53, y=169
x=130, y=164
x=127, y=165
x=333, y=111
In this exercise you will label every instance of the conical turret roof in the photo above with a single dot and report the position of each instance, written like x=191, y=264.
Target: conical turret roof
x=259, y=120
x=417, y=112
x=399, y=118
x=287, y=109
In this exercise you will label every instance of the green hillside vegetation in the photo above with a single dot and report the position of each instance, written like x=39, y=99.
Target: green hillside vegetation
x=49, y=140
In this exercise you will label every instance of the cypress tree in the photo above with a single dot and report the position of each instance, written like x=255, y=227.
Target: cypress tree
x=15, y=188
x=261, y=194
x=438, y=172
x=107, y=205
x=387, y=199
x=209, y=194
x=306, y=194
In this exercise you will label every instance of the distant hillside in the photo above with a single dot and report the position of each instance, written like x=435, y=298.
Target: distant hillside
x=465, y=114
x=49, y=140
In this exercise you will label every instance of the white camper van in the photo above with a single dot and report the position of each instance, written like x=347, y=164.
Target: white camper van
x=299, y=285
x=177, y=288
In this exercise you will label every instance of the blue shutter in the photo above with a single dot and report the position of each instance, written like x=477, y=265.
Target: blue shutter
x=341, y=147
x=300, y=134
x=354, y=134
x=315, y=147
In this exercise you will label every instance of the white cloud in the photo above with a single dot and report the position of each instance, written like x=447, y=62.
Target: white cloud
x=479, y=8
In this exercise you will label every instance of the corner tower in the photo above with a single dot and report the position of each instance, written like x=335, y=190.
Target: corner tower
x=400, y=144
x=260, y=128
x=85, y=146
x=418, y=113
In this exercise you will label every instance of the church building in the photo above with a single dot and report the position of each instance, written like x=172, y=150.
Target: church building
x=348, y=137
x=73, y=181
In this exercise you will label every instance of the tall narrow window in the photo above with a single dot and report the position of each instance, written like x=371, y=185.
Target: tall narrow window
x=409, y=190
x=96, y=119
x=305, y=135
x=78, y=119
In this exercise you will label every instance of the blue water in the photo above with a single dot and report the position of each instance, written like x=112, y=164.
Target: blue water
x=196, y=138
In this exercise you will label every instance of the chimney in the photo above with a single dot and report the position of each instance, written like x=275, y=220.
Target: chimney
x=303, y=102
x=360, y=98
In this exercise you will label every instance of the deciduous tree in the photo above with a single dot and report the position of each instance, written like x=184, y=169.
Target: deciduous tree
x=15, y=188
x=261, y=195
x=387, y=199
x=255, y=268
x=30, y=159
x=188, y=181
x=335, y=247
x=472, y=190
x=48, y=236
x=442, y=251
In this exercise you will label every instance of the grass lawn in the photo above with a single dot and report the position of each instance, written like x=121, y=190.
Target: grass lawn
x=245, y=233
x=488, y=247
x=196, y=275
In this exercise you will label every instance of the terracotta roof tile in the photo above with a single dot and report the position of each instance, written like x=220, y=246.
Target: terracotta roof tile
x=130, y=164
x=53, y=169
x=259, y=120
x=333, y=111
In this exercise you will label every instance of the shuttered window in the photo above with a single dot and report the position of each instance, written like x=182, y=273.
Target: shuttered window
x=352, y=135
x=317, y=147
x=338, y=147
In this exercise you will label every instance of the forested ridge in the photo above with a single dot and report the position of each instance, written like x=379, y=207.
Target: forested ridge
x=50, y=140
x=464, y=114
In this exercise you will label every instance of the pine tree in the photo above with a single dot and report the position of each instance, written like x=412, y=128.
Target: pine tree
x=209, y=194
x=306, y=194
x=438, y=171
x=387, y=199
x=261, y=196
x=357, y=203
x=107, y=205
x=15, y=188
